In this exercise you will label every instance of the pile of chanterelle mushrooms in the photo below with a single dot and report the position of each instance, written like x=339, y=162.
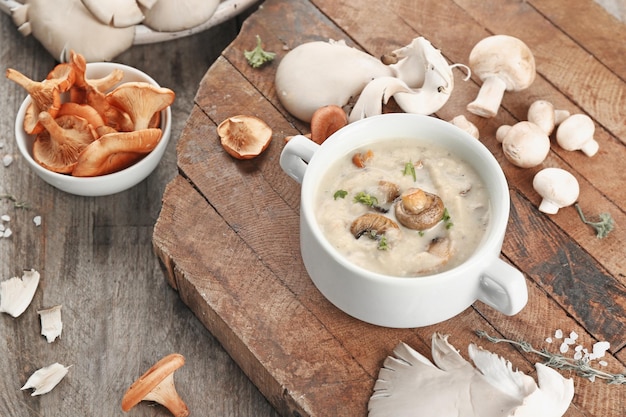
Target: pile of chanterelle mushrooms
x=97, y=131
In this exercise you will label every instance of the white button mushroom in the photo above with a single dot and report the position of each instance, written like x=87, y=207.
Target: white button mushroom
x=557, y=187
x=576, y=133
x=503, y=63
x=525, y=144
x=543, y=114
x=462, y=123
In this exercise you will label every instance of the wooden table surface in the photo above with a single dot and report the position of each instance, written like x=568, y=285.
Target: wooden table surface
x=96, y=255
x=228, y=229
x=96, y=259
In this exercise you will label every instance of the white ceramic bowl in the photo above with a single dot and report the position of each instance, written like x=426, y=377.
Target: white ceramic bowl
x=405, y=301
x=104, y=184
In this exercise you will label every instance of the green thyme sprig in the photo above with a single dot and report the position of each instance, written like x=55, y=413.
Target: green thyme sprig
x=16, y=202
x=560, y=362
x=602, y=227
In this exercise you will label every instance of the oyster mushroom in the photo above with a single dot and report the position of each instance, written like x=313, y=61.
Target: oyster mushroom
x=116, y=13
x=503, y=63
x=244, y=137
x=410, y=384
x=45, y=379
x=372, y=223
x=172, y=16
x=157, y=385
x=16, y=293
x=62, y=25
x=115, y=151
x=58, y=146
x=418, y=209
x=316, y=74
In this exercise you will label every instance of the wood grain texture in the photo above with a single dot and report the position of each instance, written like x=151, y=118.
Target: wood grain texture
x=96, y=259
x=576, y=282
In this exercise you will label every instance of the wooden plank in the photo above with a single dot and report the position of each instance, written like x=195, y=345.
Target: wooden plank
x=258, y=206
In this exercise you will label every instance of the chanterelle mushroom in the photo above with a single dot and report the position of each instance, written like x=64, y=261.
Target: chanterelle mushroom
x=141, y=101
x=157, y=385
x=409, y=384
x=418, y=209
x=244, y=137
x=557, y=187
x=503, y=63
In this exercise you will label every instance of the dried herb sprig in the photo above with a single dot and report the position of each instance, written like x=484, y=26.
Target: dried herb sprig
x=557, y=361
x=16, y=203
x=602, y=227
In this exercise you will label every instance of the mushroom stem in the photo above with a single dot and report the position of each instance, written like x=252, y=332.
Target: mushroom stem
x=165, y=394
x=157, y=385
x=489, y=97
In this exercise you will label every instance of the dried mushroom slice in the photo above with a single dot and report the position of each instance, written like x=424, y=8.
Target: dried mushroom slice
x=244, y=137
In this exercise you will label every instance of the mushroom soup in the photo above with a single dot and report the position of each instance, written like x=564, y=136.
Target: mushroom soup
x=403, y=210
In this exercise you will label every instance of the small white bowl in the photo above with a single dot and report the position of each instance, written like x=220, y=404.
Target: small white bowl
x=104, y=184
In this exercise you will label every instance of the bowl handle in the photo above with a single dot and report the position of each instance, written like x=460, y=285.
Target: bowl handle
x=503, y=287
x=295, y=157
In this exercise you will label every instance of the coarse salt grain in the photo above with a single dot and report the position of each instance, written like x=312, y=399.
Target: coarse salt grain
x=7, y=160
x=37, y=220
x=548, y=340
x=5, y=218
x=7, y=232
x=558, y=334
x=564, y=347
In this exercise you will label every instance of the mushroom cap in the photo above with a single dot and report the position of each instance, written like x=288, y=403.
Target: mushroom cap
x=62, y=25
x=541, y=113
x=149, y=380
x=557, y=187
x=140, y=100
x=173, y=16
x=505, y=57
x=525, y=144
x=244, y=137
x=576, y=133
x=117, y=13
x=418, y=209
x=326, y=121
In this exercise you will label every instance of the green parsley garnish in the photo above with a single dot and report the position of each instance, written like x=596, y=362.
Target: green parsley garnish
x=382, y=243
x=409, y=169
x=258, y=56
x=446, y=219
x=340, y=194
x=363, y=198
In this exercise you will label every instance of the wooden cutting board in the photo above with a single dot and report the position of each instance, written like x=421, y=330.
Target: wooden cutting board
x=228, y=230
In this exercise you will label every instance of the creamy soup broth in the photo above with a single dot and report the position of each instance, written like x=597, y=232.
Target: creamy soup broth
x=403, y=251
